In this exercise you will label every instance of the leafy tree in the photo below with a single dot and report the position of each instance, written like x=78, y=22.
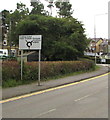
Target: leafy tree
x=5, y=15
x=10, y=20
x=23, y=10
x=50, y=5
x=63, y=51
x=65, y=9
x=63, y=38
x=5, y=22
x=38, y=8
x=20, y=13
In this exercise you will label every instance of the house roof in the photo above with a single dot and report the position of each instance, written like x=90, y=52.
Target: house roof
x=96, y=39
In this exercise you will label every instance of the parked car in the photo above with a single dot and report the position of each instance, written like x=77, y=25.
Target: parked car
x=3, y=53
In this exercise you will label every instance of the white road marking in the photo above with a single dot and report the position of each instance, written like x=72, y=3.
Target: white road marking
x=46, y=112
x=82, y=98
x=89, y=95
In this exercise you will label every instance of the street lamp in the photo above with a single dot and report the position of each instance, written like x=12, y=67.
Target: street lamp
x=95, y=32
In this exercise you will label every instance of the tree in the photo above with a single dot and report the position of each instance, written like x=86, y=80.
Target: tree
x=20, y=13
x=50, y=5
x=63, y=51
x=63, y=38
x=22, y=9
x=38, y=8
x=5, y=23
x=64, y=9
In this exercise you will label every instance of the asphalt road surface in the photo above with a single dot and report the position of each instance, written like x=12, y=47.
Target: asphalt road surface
x=87, y=99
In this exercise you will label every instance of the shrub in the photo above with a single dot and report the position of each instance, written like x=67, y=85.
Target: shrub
x=11, y=70
x=30, y=71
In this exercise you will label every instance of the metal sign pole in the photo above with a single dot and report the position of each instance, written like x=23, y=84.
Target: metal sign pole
x=21, y=64
x=39, y=68
x=30, y=42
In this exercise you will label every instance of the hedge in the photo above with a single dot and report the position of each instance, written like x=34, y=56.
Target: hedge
x=11, y=70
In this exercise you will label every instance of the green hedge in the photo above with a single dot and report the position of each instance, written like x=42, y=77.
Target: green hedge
x=11, y=70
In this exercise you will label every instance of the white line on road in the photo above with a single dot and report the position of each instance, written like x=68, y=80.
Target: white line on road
x=89, y=95
x=46, y=112
x=82, y=98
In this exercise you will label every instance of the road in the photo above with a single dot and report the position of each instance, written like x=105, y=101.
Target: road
x=87, y=99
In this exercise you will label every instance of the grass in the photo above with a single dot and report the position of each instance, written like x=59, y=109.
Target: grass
x=97, y=67
x=14, y=83
x=11, y=83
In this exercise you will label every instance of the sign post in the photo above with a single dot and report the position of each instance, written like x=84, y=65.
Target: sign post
x=21, y=64
x=39, y=68
x=30, y=42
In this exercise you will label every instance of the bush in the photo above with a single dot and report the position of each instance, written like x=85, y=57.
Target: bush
x=30, y=71
x=11, y=83
x=11, y=70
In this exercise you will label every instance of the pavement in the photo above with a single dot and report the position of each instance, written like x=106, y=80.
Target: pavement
x=26, y=89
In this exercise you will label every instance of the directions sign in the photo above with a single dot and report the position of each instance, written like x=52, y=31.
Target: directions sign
x=30, y=42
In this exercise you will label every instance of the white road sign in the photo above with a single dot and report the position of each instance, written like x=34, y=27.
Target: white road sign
x=30, y=42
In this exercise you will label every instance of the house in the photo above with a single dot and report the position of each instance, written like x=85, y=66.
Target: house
x=104, y=46
x=99, y=46
x=94, y=45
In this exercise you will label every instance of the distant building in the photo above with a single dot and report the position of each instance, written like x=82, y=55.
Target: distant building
x=98, y=45
x=104, y=46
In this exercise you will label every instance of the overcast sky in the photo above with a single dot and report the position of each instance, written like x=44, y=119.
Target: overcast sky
x=84, y=10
